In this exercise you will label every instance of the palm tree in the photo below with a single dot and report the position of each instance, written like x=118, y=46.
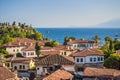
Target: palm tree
x=107, y=38
x=96, y=39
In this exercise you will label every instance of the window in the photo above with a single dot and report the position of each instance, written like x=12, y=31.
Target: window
x=64, y=53
x=51, y=68
x=24, y=54
x=37, y=68
x=90, y=59
x=13, y=50
x=101, y=58
x=28, y=53
x=77, y=59
x=80, y=69
x=20, y=67
x=98, y=58
x=81, y=60
x=23, y=66
x=17, y=50
x=15, y=67
x=31, y=53
x=8, y=64
x=94, y=59
x=74, y=45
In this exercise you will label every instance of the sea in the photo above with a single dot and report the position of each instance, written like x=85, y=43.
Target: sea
x=79, y=33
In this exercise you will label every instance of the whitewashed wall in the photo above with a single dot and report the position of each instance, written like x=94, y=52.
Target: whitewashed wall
x=11, y=49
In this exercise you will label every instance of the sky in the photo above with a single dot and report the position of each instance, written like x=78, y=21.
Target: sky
x=59, y=13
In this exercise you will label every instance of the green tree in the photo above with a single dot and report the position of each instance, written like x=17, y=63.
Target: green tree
x=96, y=39
x=37, y=49
x=14, y=23
x=55, y=43
x=117, y=46
x=113, y=61
x=107, y=53
x=107, y=38
x=111, y=46
x=38, y=36
x=19, y=55
x=52, y=43
x=67, y=39
x=108, y=43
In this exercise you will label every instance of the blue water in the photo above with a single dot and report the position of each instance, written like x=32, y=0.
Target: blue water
x=86, y=33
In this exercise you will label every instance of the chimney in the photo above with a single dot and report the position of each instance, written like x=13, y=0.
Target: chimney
x=31, y=44
x=25, y=43
x=19, y=43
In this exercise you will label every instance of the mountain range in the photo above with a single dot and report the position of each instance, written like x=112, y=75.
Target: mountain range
x=114, y=23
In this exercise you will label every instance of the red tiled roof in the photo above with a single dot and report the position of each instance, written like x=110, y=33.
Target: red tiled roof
x=23, y=42
x=118, y=51
x=19, y=60
x=6, y=74
x=12, y=44
x=56, y=59
x=49, y=52
x=99, y=72
x=59, y=47
x=86, y=52
x=80, y=41
x=47, y=48
x=29, y=48
x=59, y=75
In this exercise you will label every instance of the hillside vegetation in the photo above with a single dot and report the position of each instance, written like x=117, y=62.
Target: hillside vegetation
x=10, y=31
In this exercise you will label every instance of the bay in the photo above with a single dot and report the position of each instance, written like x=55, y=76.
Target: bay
x=86, y=33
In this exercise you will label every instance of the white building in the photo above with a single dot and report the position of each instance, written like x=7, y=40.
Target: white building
x=24, y=46
x=53, y=62
x=82, y=44
x=13, y=47
x=29, y=51
x=19, y=64
x=88, y=58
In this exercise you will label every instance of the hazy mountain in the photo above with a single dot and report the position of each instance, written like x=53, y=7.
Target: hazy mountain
x=114, y=23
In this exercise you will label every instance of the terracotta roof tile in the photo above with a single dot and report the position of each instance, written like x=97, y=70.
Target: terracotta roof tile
x=19, y=60
x=49, y=52
x=56, y=59
x=6, y=74
x=24, y=42
x=80, y=41
x=97, y=72
x=86, y=52
x=29, y=48
x=59, y=75
x=118, y=52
